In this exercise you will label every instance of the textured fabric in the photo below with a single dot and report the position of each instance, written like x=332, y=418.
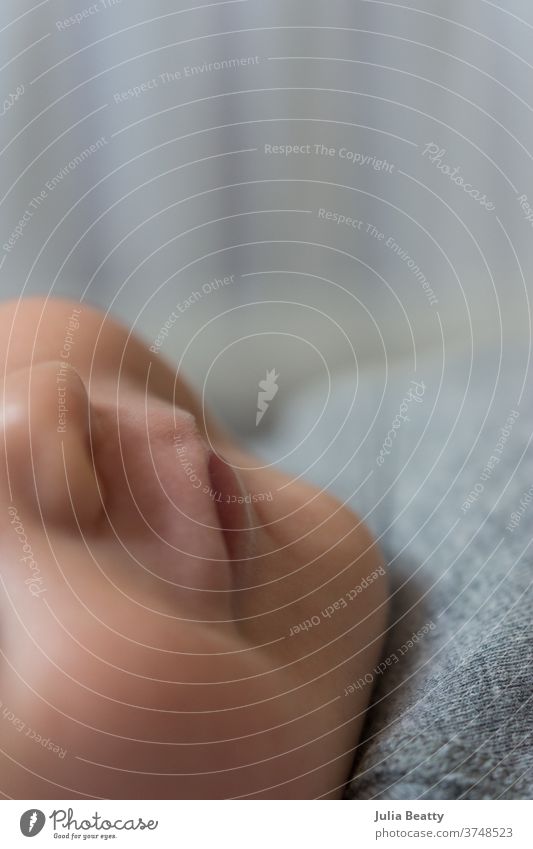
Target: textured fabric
x=445, y=480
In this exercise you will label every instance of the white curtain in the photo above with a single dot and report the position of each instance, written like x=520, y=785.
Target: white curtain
x=144, y=160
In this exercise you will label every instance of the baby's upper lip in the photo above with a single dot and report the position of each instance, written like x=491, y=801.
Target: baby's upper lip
x=234, y=514
x=225, y=490
x=182, y=459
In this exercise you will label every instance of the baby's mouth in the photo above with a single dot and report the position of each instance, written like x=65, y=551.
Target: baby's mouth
x=232, y=502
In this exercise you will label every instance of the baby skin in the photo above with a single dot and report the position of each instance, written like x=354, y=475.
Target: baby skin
x=177, y=620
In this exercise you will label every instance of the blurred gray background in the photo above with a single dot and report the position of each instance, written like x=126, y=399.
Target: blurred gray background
x=139, y=172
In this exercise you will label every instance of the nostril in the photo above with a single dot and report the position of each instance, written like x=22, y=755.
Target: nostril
x=45, y=419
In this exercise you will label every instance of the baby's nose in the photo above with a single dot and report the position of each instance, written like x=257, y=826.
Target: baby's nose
x=45, y=456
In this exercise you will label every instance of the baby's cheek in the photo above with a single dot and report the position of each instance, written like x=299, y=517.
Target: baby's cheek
x=122, y=711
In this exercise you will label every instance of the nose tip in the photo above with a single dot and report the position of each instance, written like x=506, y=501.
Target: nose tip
x=47, y=460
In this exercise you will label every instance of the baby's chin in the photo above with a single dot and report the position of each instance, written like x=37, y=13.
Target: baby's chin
x=213, y=719
x=154, y=707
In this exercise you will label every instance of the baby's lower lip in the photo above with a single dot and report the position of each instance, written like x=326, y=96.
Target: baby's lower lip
x=234, y=513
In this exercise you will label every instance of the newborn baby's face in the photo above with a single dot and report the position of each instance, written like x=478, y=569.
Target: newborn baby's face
x=150, y=597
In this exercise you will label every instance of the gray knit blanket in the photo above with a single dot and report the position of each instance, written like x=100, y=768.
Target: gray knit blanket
x=439, y=462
